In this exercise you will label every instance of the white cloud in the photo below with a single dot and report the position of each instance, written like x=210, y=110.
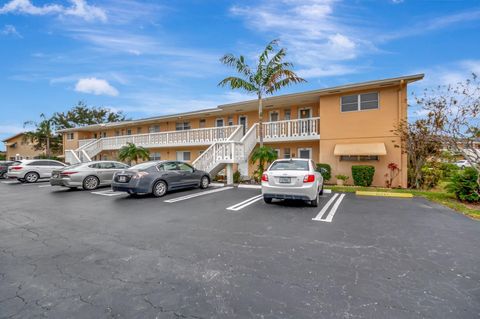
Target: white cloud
x=78, y=8
x=9, y=29
x=316, y=37
x=95, y=86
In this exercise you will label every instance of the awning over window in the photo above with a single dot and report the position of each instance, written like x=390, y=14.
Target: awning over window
x=360, y=149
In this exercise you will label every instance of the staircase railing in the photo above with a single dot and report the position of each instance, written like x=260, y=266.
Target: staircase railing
x=221, y=152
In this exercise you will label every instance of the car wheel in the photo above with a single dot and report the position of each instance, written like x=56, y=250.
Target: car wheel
x=159, y=189
x=267, y=200
x=463, y=167
x=321, y=191
x=4, y=175
x=204, y=182
x=90, y=183
x=314, y=203
x=31, y=177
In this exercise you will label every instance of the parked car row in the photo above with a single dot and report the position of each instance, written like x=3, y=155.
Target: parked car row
x=295, y=179
x=154, y=177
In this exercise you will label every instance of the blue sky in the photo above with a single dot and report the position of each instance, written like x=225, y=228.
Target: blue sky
x=156, y=57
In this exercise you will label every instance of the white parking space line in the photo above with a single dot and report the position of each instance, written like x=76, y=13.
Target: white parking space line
x=245, y=203
x=335, y=200
x=178, y=199
x=45, y=186
x=249, y=186
x=327, y=191
x=11, y=182
x=334, y=209
x=325, y=208
x=108, y=193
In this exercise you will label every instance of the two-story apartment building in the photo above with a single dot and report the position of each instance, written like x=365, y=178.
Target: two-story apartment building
x=342, y=126
x=18, y=148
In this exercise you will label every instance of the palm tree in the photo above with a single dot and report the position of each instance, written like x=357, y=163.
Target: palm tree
x=132, y=152
x=271, y=75
x=43, y=136
x=263, y=155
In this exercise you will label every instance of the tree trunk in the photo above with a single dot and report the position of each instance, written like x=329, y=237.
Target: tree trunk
x=260, y=120
x=47, y=147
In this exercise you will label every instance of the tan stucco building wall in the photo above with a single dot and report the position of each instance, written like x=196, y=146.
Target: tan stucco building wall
x=17, y=148
x=336, y=127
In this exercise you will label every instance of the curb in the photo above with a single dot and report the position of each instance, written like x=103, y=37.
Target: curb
x=384, y=194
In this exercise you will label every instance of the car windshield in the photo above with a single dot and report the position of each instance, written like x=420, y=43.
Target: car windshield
x=289, y=166
x=143, y=165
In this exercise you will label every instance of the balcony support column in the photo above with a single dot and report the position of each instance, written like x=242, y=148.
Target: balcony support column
x=229, y=174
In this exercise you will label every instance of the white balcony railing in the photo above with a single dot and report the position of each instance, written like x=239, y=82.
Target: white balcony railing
x=292, y=129
x=204, y=136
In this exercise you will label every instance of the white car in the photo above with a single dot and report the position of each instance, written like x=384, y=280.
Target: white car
x=31, y=171
x=462, y=164
x=293, y=178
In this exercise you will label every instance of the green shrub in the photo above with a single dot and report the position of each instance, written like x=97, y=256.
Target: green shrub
x=328, y=171
x=464, y=185
x=431, y=175
x=363, y=175
x=237, y=177
x=448, y=170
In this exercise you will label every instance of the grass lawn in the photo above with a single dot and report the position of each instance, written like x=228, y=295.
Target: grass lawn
x=436, y=195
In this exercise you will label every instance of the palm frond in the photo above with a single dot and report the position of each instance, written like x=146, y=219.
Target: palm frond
x=277, y=59
x=238, y=63
x=268, y=49
x=238, y=83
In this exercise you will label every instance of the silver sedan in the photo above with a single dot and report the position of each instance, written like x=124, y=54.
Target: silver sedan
x=89, y=176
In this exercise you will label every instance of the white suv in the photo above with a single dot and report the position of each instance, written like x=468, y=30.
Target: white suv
x=31, y=171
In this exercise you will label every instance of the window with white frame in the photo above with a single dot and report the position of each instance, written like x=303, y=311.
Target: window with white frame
x=305, y=153
x=129, y=131
x=287, y=115
x=182, y=126
x=219, y=122
x=359, y=102
x=155, y=156
x=70, y=136
x=230, y=120
x=286, y=153
x=183, y=156
x=154, y=129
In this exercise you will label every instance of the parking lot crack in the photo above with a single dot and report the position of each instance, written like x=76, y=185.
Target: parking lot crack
x=173, y=312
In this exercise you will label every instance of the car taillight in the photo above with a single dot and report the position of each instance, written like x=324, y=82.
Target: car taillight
x=309, y=178
x=139, y=175
x=68, y=173
x=16, y=168
x=264, y=177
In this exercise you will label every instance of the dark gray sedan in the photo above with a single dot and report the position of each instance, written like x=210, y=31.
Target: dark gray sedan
x=158, y=177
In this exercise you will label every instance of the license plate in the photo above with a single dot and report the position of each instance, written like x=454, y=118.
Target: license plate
x=122, y=179
x=284, y=180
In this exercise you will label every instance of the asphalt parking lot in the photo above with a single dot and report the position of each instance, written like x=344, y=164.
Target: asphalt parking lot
x=224, y=253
